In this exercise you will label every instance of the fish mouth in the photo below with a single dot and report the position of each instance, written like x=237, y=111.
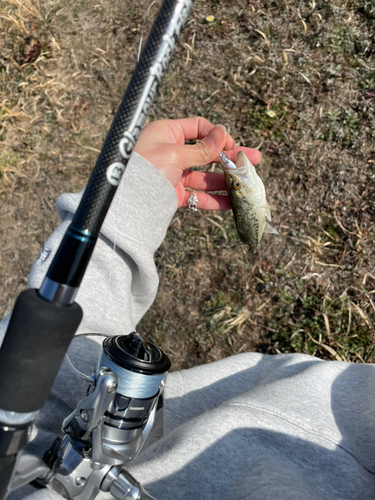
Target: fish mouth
x=226, y=163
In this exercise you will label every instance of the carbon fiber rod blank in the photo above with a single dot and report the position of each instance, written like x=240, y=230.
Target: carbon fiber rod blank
x=72, y=257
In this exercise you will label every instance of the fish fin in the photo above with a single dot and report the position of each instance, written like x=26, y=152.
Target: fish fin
x=268, y=207
x=269, y=229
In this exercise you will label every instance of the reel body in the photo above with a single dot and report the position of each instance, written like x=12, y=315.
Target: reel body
x=109, y=426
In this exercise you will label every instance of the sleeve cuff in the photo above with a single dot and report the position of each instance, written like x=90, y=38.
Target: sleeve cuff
x=142, y=209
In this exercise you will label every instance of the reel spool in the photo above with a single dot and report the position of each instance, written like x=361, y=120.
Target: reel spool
x=140, y=367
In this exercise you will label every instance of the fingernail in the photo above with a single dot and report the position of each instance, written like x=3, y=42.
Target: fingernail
x=218, y=136
x=223, y=127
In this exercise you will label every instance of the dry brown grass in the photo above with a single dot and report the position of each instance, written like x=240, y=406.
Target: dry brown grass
x=64, y=66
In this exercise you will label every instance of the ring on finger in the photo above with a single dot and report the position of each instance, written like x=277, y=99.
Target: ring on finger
x=192, y=202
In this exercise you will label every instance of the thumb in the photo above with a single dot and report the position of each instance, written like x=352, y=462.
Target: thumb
x=207, y=149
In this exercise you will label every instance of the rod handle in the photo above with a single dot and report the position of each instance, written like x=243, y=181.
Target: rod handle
x=37, y=338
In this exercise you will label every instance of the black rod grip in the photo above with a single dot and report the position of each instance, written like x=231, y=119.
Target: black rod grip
x=37, y=338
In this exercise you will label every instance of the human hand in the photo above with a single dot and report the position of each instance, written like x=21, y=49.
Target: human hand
x=162, y=143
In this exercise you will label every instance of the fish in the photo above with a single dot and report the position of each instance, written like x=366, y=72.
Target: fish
x=247, y=196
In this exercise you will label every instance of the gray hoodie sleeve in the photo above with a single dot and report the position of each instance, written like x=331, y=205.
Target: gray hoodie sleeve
x=121, y=280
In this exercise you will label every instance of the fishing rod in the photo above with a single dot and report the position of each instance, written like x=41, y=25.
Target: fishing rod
x=44, y=321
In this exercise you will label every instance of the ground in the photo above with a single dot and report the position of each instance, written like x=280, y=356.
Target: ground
x=295, y=79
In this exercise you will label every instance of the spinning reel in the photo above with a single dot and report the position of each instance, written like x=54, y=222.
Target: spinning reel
x=109, y=426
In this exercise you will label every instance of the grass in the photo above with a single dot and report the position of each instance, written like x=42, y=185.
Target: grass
x=321, y=325
x=295, y=79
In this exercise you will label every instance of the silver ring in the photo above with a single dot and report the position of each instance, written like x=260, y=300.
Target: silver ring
x=192, y=202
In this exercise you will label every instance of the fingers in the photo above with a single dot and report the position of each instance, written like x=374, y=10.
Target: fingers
x=207, y=201
x=172, y=134
x=197, y=127
x=211, y=139
x=203, y=181
x=204, y=151
x=210, y=181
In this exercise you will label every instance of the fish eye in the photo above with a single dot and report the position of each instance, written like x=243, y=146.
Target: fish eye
x=236, y=184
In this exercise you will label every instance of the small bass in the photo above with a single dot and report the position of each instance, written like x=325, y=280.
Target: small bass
x=248, y=199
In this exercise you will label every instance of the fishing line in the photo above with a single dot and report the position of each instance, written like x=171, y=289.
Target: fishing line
x=115, y=236
x=114, y=245
x=91, y=334
x=80, y=374
x=133, y=384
